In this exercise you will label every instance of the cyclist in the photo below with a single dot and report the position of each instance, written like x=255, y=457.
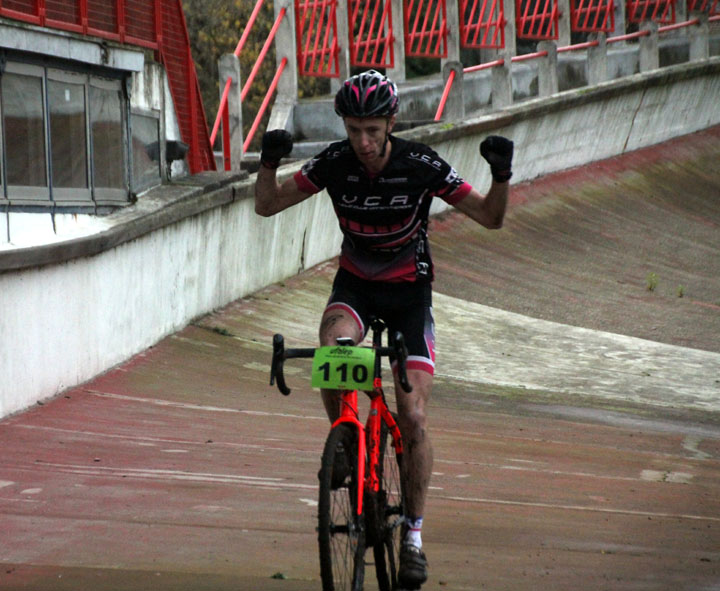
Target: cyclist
x=381, y=187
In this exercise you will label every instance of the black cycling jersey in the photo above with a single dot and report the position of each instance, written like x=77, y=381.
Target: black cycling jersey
x=384, y=217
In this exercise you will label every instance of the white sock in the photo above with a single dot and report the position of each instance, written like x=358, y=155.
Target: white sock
x=414, y=527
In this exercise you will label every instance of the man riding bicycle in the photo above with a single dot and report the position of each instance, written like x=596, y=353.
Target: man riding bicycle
x=381, y=187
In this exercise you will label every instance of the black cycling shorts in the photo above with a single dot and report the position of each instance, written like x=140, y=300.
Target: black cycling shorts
x=403, y=306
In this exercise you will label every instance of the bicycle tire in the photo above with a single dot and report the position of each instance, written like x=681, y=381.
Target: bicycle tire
x=341, y=534
x=390, y=511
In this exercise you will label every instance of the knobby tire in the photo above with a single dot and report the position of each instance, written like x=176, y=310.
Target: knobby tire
x=341, y=535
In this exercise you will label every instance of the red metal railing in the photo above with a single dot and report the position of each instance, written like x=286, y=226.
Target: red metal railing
x=660, y=11
x=158, y=25
x=317, y=43
x=223, y=115
x=712, y=7
x=592, y=16
x=537, y=19
x=482, y=24
x=371, y=33
x=529, y=56
x=425, y=28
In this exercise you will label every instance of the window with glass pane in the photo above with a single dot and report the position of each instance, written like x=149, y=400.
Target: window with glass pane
x=23, y=124
x=145, y=154
x=68, y=138
x=106, y=124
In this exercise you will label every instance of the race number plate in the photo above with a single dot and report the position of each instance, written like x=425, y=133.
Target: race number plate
x=343, y=368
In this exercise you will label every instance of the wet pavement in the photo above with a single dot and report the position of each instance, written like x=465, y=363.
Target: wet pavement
x=575, y=417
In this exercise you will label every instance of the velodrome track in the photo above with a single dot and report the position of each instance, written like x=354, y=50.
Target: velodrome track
x=575, y=417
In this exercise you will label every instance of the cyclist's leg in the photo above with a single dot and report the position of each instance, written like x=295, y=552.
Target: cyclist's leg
x=418, y=328
x=344, y=317
x=417, y=449
x=337, y=322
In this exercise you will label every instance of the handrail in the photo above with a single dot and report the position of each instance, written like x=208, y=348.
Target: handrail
x=528, y=56
x=223, y=114
x=223, y=105
x=228, y=82
x=485, y=66
x=248, y=27
x=263, y=52
x=688, y=23
x=265, y=103
x=446, y=93
x=586, y=45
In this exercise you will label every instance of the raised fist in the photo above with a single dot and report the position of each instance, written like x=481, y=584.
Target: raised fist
x=498, y=151
x=276, y=144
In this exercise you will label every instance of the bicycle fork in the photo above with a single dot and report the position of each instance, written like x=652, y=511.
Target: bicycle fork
x=379, y=412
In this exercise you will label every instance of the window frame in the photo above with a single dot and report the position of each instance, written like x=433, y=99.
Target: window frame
x=112, y=196
x=27, y=194
x=64, y=196
x=155, y=115
x=69, y=199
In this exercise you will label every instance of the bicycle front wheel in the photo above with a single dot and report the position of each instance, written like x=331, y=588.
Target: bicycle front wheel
x=390, y=510
x=341, y=535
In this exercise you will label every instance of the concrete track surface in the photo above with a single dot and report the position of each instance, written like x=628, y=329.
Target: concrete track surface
x=575, y=418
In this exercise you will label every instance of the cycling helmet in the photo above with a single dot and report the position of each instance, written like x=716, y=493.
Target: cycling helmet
x=369, y=94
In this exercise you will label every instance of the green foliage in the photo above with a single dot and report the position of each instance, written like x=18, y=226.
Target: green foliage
x=651, y=281
x=215, y=28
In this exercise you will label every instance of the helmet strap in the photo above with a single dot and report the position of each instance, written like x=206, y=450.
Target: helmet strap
x=387, y=138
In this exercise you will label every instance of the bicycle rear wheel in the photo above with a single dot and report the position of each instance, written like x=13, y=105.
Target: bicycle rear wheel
x=390, y=510
x=341, y=535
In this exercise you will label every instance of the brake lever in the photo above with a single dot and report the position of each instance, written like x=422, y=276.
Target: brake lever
x=276, y=367
x=401, y=355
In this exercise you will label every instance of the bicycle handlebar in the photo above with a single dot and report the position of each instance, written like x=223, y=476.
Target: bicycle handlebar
x=397, y=352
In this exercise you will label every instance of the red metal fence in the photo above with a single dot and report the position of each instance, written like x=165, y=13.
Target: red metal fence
x=317, y=43
x=592, y=16
x=537, y=19
x=425, y=28
x=660, y=11
x=152, y=24
x=712, y=7
x=482, y=24
x=371, y=33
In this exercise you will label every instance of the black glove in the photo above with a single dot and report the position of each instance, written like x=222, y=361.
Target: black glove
x=276, y=144
x=498, y=151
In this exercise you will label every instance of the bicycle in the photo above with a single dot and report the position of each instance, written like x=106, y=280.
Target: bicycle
x=360, y=502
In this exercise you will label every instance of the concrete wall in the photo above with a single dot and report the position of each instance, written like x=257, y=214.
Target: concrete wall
x=71, y=310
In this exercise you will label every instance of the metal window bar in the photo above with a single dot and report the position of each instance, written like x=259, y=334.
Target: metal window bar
x=371, y=33
x=482, y=24
x=659, y=11
x=592, y=16
x=317, y=45
x=429, y=37
x=537, y=19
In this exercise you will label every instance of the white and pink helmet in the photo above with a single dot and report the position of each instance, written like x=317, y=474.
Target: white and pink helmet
x=369, y=94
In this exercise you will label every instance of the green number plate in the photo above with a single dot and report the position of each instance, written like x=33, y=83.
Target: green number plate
x=343, y=368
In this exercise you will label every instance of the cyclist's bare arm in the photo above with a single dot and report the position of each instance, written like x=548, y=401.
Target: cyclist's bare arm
x=489, y=210
x=271, y=197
